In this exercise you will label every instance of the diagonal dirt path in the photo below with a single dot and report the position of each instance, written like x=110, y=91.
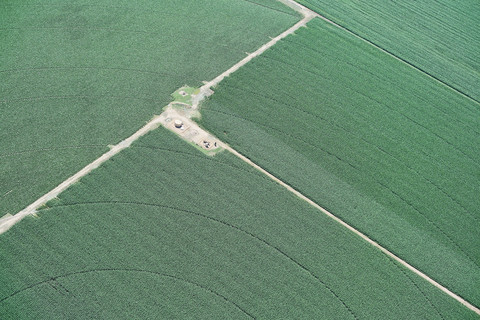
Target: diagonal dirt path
x=189, y=123
x=8, y=221
x=305, y=11
x=357, y=232
x=206, y=89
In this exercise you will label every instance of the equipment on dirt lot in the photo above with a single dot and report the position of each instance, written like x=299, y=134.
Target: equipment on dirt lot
x=178, y=123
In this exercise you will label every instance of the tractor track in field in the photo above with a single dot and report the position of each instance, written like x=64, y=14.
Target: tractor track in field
x=205, y=91
x=53, y=279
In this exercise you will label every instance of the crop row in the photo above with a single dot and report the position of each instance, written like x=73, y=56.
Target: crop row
x=171, y=232
x=93, y=73
x=381, y=145
x=439, y=38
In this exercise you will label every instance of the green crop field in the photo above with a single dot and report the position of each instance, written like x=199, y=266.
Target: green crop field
x=441, y=37
x=163, y=231
x=388, y=149
x=377, y=121
x=77, y=76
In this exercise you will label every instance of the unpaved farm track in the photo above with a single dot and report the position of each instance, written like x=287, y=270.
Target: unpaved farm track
x=7, y=222
x=301, y=8
x=206, y=90
x=358, y=233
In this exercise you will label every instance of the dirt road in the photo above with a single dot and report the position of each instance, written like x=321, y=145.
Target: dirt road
x=188, y=122
x=8, y=222
x=206, y=89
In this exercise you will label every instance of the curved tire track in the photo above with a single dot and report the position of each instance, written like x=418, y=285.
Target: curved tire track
x=265, y=242
x=130, y=270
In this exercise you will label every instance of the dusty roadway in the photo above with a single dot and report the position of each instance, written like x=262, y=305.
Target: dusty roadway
x=8, y=221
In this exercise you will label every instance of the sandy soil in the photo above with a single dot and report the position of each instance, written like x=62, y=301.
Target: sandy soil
x=190, y=131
